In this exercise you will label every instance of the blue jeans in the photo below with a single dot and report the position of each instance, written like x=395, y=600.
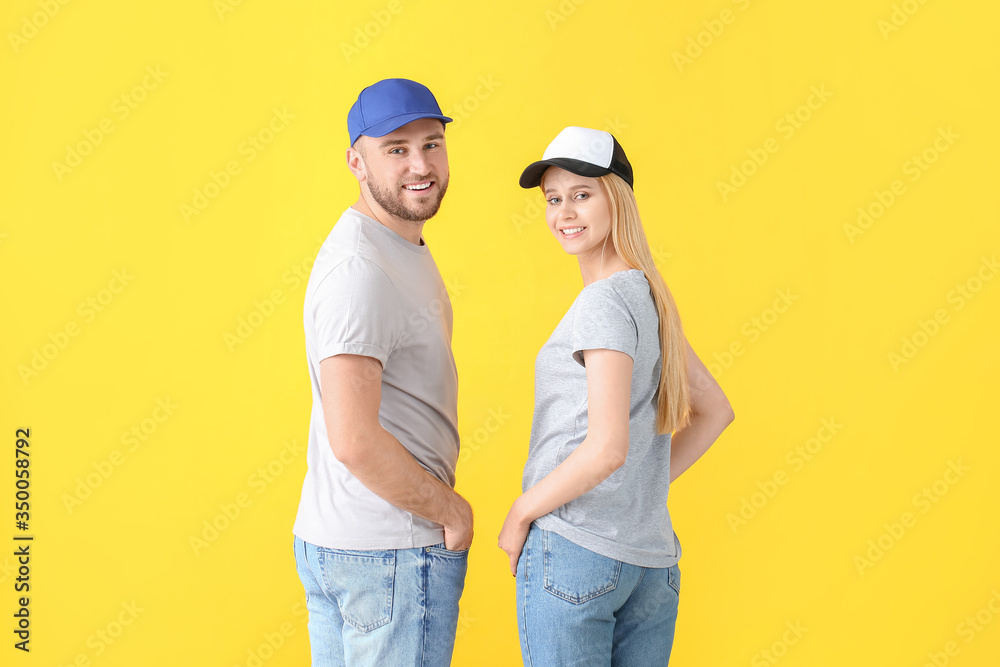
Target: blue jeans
x=381, y=608
x=576, y=607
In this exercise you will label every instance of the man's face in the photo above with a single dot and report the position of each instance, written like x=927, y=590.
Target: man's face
x=406, y=171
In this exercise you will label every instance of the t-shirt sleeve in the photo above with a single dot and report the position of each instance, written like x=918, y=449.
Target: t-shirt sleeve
x=602, y=321
x=355, y=310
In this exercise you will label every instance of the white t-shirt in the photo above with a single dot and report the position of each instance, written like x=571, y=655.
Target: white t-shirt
x=624, y=517
x=373, y=293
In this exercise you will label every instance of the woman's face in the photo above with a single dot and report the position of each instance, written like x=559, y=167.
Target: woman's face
x=577, y=210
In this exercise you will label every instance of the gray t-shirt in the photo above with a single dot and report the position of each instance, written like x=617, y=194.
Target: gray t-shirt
x=373, y=293
x=624, y=517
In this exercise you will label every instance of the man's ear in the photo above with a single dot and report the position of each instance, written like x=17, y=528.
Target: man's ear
x=356, y=162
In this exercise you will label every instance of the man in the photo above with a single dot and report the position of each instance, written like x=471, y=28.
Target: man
x=381, y=537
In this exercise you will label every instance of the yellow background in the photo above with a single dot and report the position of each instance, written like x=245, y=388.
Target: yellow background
x=512, y=74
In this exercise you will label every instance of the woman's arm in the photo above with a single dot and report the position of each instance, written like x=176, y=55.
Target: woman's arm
x=603, y=450
x=710, y=415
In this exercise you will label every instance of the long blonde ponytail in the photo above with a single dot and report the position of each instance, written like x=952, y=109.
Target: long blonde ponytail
x=673, y=409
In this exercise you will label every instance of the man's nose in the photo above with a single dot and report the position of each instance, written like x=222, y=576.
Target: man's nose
x=419, y=164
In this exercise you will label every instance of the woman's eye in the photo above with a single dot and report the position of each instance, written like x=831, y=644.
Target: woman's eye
x=582, y=195
x=553, y=200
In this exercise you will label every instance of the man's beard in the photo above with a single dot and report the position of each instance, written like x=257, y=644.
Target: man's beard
x=392, y=201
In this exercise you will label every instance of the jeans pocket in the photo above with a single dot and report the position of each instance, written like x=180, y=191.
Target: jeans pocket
x=674, y=579
x=362, y=583
x=439, y=550
x=573, y=573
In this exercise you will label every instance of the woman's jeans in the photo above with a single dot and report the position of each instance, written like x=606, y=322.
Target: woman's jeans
x=381, y=608
x=575, y=607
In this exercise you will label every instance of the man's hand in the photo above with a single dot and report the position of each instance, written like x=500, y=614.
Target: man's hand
x=458, y=526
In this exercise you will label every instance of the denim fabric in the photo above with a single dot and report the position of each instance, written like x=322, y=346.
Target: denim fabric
x=576, y=607
x=381, y=607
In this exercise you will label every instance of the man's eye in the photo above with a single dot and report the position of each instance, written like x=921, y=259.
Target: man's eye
x=431, y=146
x=395, y=151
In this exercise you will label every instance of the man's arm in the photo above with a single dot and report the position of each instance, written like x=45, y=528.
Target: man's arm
x=351, y=387
x=710, y=415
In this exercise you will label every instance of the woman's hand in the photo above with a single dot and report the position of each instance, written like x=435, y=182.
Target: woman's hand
x=513, y=535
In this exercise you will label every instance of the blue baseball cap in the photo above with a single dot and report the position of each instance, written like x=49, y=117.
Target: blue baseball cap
x=388, y=105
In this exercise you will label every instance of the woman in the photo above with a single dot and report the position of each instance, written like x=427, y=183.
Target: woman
x=590, y=540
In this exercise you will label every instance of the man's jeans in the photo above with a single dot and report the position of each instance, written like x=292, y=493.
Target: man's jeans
x=576, y=607
x=381, y=608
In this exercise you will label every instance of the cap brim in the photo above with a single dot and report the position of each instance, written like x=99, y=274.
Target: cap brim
x=392, y=124
x=531, y=177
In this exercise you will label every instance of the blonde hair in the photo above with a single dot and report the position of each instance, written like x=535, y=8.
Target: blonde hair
x=673, y=408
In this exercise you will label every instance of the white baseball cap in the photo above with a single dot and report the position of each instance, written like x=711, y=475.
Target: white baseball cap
x=582, y=151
